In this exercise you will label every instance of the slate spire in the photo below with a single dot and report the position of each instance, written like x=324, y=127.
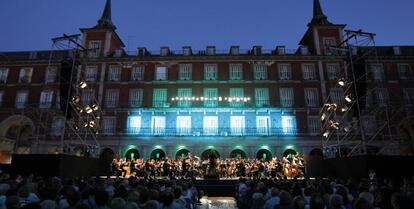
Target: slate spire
x=106, y=20
x=319, y=18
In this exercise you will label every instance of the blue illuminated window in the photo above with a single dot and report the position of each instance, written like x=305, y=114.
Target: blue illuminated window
x=288, y=124
x=183, y=125
x=235, y=94
x=286, y=97
x=237, y=125
x=261, y=97
x=159, y=98
x=134, y=124
x=263, y=125
x=185, y=95
x=210, y=125
x=158, y=125
x=210, y=97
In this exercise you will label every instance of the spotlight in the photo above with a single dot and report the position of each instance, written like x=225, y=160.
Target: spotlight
x=173, y=99
x=83, y=85
x=75, y=99
x=92, y=124
x=88, y=110
x=75, y=127
x=348, y=98
x=334, y=124
x=326, y=134
x=332, y=106
x=341, y=82
x=344, y=108
x=347, y=128
x=323, y=116
x=220, y=99
x=95, y=107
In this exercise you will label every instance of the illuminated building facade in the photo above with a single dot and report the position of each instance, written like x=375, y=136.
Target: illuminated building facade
x=251, y=103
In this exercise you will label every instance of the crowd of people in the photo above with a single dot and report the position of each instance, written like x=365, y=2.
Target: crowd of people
x=291, y=166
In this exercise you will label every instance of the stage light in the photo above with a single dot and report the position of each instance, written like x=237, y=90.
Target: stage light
x=334, y=124
x=83, y=85
x=344, y=108
x=95, y=107
x=201, y=98
x=193, y=98
x=326, y=134
x=75, y=99
x=88, y=110
x=332, y=106
x=348, y=128
x=348, y=98
x=92, y=124
x=173, y=99
x=323, y=116
x=341, y=82
x=220, y=99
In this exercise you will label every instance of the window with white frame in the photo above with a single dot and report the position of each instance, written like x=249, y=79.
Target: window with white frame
x=377, y=71
x=185, y=72
x=46, y=98
x=285, y=72
x=261, y=96
x=408, y=94
x=134, y=124
x=108, y=125
x=210, y=71
x=311, y=97
x=88, y=96
x=329, y=42
x=210, y=97
x=288, y=124
x=286, y=97
x=25, y=75
x=51, y=74
x=263, y=125
x=161, y=73
x=137, y=73
x=237, y=97
x=159, y=98
x=136, y=97
x=58, y=124
x=158, y=125
x=314, y=125
x=236, y=71
x=183, y=125
x=237, y=125
x=111, y=98
x=1, y=98
x=94, y=48
x=333, y=71
x=381, y=96
x=114, y=73
x=185, y=96
x=404, y=71
x=260, y=72
x=337, y=95
x=210, y=125
x=91, y=73
x=4, y=72
x=308, y=72
x=21, y=99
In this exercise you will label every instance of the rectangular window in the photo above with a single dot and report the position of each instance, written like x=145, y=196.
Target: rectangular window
x=261, y=96
x=377, y=71
x=286, y=97
x=4, y=72
x=311, y=97
x=308, y=72
x=185, y=72
x=329, y=42
x=91, y=73
x=314, y=125
x=237, y=125
x=114, y=73
x=337, y=95
x=46, y=98
x=408, y=94
x=210, y=125
x=236, y=71
x=158, y=125
x=260, y=72
x=88, y=96
x=210, y=71
x=161, y=73
x=94, y=49
x=183, y=125
x=58, y=124
x=236, y=96
x=1, y=98
x=381, y=96
x=263, y=125
x=21, y=99
x=404, y=71
x=288, y=124
x=333, y=71
x=108, y=125
x=25, y=75
x=210, y=97
x=51, y=74
x=134, y=124
x=137, y=73
x=285, y=72
x=111, y=98
x=185, y=96
x=159, y=98
x=136, y=97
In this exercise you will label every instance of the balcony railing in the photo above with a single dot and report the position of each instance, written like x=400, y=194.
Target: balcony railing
x=223, y=52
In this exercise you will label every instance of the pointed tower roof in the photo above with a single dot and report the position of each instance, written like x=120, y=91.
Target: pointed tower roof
x=106, y=20
x=319, y=18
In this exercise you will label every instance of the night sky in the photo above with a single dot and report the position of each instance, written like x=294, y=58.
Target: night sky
x=30, y=24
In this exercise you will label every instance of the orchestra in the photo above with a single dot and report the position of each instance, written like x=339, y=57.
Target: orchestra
x=290, y=167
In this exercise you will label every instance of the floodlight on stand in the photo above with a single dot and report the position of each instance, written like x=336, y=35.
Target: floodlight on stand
x=326, y=134
x=323, y=116
x=348, y=98
x=83, y=85
x=88, y=110
x=75, y=99
x=344, y=108
x=95, y=107
x=334, y=124
x=341, y=82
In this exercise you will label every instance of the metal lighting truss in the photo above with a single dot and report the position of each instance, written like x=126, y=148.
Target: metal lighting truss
x=359, y=124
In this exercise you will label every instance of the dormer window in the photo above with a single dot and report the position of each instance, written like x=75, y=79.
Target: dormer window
x=165, y=51
x=281, y=50
x=234, y=50
x=328, y=43
x=397, y=50
x=187, y=51
x=304, y=50
x=142, y=51
x=211, y=50
x=257, y=50
x=94, y=49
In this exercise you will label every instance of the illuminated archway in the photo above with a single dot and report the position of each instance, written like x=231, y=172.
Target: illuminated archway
x=207, y=153
x=181, y=153
x=316, y=152
x=132, y=154
x=238, y=153
x=264, y=154
x=157, y=154
x=289, y=152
